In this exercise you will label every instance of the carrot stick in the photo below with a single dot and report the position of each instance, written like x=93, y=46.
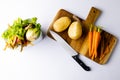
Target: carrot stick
x=97, y=41
x=5, y=46
x=93, y=55
x=93, y=43
x=90, y=34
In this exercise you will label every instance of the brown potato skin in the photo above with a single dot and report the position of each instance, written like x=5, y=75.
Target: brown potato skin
x=61, y=24
x=75, y=30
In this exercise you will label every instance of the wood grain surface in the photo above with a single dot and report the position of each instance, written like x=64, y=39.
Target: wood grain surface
x=80, y=45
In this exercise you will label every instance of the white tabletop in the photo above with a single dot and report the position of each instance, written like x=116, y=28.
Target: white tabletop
x=47, y=60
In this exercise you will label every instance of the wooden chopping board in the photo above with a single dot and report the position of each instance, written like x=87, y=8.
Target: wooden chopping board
x=80, y=45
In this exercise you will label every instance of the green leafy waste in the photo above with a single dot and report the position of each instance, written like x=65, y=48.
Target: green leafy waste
x=16, y=33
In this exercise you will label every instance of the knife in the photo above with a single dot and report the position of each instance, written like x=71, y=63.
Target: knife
x=70, y=50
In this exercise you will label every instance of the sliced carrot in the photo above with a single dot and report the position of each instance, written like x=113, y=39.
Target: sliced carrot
x=90, y=34
x=5, y=46
x=93, y=41
x=97, y=41
x=93, y=56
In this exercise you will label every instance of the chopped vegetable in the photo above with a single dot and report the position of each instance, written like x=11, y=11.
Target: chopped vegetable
x=93, y=43
x=97, y=41
x=90, y=34
x=94, y=40
x=15, y=35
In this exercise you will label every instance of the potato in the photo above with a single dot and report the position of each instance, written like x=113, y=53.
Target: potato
x=61, y=24
x=75, y=30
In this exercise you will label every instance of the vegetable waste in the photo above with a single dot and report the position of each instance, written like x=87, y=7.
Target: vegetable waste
x=21, y=33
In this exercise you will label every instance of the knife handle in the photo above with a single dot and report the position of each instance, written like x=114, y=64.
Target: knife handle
x=81, y=63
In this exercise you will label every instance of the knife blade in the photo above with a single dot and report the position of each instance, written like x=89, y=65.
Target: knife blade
x=70, y=50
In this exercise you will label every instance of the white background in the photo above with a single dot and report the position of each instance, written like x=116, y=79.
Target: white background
x=47, y=60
